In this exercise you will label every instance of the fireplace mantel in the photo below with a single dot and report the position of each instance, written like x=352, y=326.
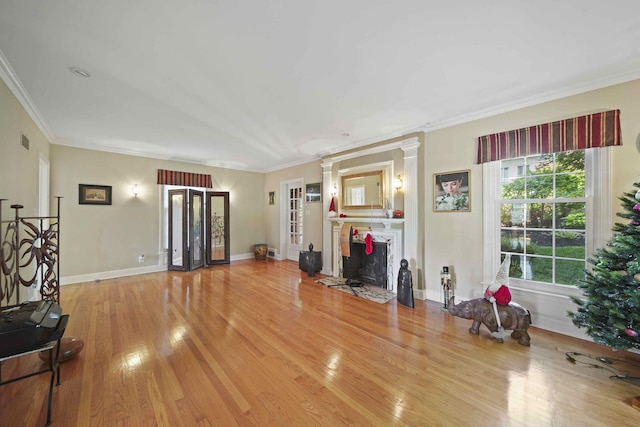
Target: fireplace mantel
x=386, y=222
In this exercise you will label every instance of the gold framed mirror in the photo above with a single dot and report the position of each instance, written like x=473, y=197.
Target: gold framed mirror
x=363, y=190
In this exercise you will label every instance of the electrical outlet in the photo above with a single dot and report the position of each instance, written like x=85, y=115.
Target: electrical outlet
x=141, y=258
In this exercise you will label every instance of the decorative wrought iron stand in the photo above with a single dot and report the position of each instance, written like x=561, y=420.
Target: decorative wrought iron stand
x=30, y=255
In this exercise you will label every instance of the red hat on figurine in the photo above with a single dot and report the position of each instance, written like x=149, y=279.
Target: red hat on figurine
x=499, y=287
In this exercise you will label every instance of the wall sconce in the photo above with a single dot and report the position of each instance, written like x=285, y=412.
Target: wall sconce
x=397, y=183
x=135, y=190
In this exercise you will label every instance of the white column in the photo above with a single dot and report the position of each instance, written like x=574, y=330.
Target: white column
x=410, y=188
x=327, y=225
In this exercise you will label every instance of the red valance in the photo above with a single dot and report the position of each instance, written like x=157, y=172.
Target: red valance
x=590, y=131
x=185, y=179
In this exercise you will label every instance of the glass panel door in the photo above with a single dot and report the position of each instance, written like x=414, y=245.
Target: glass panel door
x=218, y=227
x=196, y=229
x=294, y=218
x=178, y=230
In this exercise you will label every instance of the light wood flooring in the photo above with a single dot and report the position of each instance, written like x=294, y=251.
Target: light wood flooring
x=258, y=343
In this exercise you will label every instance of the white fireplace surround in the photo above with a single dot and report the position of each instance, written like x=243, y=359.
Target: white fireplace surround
x=391, y=236
x=403, y=232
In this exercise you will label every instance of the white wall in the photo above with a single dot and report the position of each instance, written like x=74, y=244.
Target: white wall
x=456, y=238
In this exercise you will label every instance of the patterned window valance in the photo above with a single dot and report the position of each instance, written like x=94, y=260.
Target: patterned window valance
x=578, y=133
x=185, y=179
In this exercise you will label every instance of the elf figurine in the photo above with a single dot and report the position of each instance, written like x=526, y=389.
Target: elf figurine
x=498, y=290
x=498, y=293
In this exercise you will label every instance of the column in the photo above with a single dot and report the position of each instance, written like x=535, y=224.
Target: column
x=327, y=186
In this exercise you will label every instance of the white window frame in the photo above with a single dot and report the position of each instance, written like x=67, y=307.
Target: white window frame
x=598, y=227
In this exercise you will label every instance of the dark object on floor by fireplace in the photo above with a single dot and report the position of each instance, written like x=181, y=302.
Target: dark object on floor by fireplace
x=310, y=261
x=405, y=285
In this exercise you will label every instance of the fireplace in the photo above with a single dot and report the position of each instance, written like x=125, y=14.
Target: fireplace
x=384, y=260
x=367, y=268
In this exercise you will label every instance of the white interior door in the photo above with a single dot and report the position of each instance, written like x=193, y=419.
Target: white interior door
x=294, y=219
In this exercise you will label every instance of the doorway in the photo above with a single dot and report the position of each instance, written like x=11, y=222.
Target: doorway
x=293, y=218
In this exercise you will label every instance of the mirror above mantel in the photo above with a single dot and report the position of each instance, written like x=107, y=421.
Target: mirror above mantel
x=366, y=190
x=363, y=190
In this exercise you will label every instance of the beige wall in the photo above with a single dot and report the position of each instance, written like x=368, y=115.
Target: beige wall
x=18, y=166
x=101, y=239
x=309, y=173
x=456, y=238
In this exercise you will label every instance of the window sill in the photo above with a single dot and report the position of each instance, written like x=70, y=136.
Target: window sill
x=545, y=288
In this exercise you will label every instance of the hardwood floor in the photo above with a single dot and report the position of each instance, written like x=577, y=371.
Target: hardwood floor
x=259, y=343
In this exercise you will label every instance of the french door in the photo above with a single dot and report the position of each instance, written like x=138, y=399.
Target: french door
x=294, y=212
x=194, y=236
x=186, y=242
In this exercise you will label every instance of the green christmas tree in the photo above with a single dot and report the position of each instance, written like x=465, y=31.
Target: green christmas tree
x=611, y=310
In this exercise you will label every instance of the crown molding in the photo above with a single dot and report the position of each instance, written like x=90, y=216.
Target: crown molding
x=408, y=143
x=565, y=92
x=10, y=78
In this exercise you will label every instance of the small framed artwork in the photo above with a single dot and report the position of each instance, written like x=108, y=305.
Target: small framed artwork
x=313, y=192
x=94, y=194
x=452, y=191
x=272, y=197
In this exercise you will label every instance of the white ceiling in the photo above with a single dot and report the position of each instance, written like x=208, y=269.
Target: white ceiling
x=262, y=85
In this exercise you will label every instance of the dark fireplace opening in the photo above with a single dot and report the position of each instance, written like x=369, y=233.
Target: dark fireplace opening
x=370, y=269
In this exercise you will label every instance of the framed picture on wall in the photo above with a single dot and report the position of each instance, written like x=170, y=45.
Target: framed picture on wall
x=313, y=192
x=452, y=191
x=94, y=194
x=272, y=197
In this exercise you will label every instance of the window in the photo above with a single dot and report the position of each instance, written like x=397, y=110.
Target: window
x=504, y=172
x=549, y=218
x=543, y=216
x=356, y=196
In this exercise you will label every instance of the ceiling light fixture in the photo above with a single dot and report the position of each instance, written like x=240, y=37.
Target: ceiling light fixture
x=80, y=72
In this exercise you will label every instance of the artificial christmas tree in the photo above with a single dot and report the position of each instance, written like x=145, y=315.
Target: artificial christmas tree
x=611, y=310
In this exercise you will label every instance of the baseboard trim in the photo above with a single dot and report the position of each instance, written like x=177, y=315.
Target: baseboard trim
x=420, y=294
x=92, y=277
x=248, y=255
x=103, y=275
